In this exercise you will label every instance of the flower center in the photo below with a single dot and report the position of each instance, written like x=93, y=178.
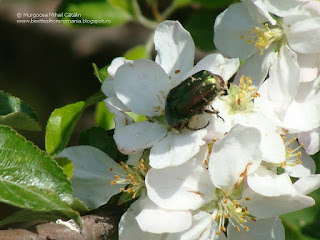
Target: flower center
x=227, y=210
x=263, y=37
x=240, y=98
x=132, y=176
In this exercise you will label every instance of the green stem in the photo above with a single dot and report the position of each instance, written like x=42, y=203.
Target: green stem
x=149, y=45
x=168, y=12
x=141, y=19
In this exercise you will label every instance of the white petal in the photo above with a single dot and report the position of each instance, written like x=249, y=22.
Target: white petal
x=175, y=49
x=303, y=33
x=154, y=219
x=184, y=187
x=269, y=184
x=262, y=229
x=91, y=179
x=107, y=86
x=137, y=136
x=234, y=22
x=309, y=66
x=282, y=8
x=257, y=67
x=115, y=102
x=236, y=153
x=176, y=148
x=129, y=228
x=133, y=159
x=303, y=114
x=307, y=184
x=258, y=11
x=115, y=64
x=203, y=227
x=266, y=207
x=284, y=80
x=217, y=64
x=143, y=87
x=116, y=107
x=311, y=140
x=272, y=146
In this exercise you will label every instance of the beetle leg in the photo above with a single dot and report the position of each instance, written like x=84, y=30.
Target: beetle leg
x=213, y=111
x=196, y=129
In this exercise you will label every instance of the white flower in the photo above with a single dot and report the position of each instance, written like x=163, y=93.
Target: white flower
x=238, y=107
x=234, y=185
x=311, y=140
x=191, y=186
x=95, y=174
x=142, y=87
x=281, y=34
x=129, y=228
x=301, y=115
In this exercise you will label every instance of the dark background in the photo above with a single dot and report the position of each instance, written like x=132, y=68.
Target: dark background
x=50, y=65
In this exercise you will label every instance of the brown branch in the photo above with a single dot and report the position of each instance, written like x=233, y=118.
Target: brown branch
x=94, y=228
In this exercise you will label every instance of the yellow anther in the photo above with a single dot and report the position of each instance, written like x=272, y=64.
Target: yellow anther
x=246, y=228
x=113, y=182
x=237, y=227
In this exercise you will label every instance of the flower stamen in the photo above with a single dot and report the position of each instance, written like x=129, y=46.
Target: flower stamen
x=263, y=37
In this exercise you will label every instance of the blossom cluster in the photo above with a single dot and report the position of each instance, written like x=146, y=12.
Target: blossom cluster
x=227, y=169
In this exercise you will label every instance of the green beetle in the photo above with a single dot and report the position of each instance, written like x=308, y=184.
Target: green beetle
x=192, y=97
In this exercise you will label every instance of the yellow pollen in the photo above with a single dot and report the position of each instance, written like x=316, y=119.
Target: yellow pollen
x=246, y=228
x=218, y=232
x=242, y=37
x=113, y=182
x=223, y=228
x=253, y=219
x=237, y=227
x=247, y=198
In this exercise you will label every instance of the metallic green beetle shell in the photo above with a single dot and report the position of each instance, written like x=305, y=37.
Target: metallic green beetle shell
x=192, y=96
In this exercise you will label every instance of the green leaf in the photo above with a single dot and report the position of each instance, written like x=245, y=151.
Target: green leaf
x=103, y=140
x=17, y=114
x=200, y=26
x=102, y=73
x=104, y=118
x=182, y=3
x=136, y=52
x=66, y=166
x=30, y=179
x=92, y=13
x=60, y=127
x=63, y=120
